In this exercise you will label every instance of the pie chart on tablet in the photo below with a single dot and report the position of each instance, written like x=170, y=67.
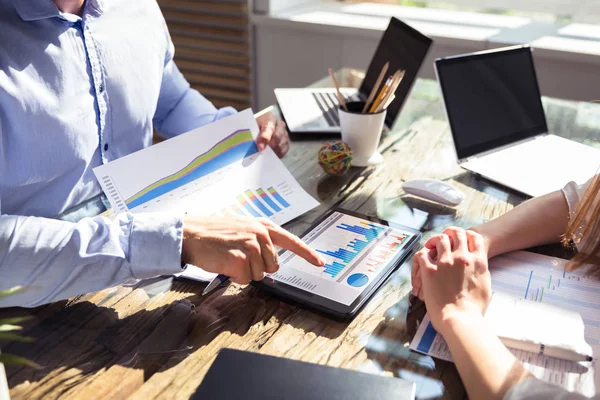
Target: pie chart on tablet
x=357, y=280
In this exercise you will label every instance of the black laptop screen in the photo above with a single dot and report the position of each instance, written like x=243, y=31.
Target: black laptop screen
x=492, y=99
x=404, y=48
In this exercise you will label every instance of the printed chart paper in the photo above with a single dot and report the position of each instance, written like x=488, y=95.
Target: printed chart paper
x=542, y=279
x=213, y=170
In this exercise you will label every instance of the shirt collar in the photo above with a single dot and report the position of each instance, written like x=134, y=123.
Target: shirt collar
x=33, y=10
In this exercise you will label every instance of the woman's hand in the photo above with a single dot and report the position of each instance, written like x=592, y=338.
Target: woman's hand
x=454, y=276
x=431, y=244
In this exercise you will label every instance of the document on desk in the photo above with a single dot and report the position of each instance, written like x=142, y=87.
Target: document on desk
x=541, y=279
x=213, y=170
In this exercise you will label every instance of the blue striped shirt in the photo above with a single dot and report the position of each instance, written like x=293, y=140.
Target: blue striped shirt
x=77, y=92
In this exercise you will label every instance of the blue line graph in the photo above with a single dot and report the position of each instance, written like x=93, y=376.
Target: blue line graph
x=242, y=147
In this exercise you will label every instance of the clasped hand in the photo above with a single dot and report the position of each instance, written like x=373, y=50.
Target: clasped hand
x=450, y=274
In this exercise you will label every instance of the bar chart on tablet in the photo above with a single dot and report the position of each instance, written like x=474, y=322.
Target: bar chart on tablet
x=213, y=170
x=355, y=251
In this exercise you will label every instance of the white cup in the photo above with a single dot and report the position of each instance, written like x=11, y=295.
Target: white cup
x=362, y=133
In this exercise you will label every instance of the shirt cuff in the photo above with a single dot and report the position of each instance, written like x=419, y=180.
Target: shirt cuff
x=571, y=192
x=155, y=244
x=225, y=112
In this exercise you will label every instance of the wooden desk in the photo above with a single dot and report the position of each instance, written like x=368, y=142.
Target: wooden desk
x=157, y=341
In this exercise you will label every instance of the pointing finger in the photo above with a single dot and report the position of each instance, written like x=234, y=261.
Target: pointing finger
x=291, y=242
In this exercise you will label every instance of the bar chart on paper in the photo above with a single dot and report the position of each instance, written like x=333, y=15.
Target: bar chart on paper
x=256, y=203
x=548, y=282
x=224, y=175
x=355, y=251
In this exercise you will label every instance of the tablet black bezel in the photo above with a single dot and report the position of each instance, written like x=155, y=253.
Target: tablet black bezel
x=331, y=307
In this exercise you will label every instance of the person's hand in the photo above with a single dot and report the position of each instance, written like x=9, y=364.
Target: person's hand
x=454, y=273
x=242, y=248
x=272, y=133
x=431, y=244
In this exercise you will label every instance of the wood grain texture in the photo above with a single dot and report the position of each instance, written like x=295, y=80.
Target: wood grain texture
x=157, y=339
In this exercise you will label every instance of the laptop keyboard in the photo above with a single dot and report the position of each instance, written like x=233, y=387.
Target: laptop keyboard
x=328, y=103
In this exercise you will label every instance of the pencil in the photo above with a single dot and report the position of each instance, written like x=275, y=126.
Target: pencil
x=380, y=95
x=389, y=101
x=398, y=76
x=337, y=89
x=376, y=87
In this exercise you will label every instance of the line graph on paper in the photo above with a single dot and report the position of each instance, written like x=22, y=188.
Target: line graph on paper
x=235, y=147
x=213, y=170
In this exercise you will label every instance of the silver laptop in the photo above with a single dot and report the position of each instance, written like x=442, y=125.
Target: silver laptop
x=315, y=110
x=498, y=124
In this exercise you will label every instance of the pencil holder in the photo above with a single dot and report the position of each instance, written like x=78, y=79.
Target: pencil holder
x=362, y=132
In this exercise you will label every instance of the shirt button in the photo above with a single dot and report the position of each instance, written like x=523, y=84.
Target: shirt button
x=101, y=89
x=105, y=146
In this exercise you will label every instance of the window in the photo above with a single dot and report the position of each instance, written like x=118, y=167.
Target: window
x=564, y=11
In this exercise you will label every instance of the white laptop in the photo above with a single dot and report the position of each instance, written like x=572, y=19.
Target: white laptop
x=498, y=124
x=315, y=110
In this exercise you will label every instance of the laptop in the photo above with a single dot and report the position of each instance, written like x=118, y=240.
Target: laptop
x=498, y=124
x=236, y=375
x=309, y=110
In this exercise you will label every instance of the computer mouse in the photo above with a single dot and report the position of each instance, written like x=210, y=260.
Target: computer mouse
x=434, y=190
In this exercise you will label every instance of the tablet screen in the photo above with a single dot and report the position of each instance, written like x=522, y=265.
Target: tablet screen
x=356, y=252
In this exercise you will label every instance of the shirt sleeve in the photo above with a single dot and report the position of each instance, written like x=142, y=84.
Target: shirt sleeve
x=54, y=260
x=180, y=108
x=535, y=389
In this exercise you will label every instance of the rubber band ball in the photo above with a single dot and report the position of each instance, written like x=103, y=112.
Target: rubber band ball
x=335, y=157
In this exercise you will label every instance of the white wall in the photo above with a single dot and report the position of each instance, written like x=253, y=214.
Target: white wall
x=295, y=54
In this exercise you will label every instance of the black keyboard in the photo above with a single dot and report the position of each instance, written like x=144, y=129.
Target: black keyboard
x=328, y=103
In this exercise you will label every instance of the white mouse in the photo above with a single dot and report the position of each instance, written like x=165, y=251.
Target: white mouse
x=434, y=190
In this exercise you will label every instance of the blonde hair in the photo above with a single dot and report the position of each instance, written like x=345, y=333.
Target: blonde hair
x=584, y=224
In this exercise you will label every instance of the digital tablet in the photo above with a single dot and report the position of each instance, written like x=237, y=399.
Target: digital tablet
x=360, y=253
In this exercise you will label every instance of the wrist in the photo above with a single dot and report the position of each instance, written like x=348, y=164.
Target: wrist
x=185, y=239
x=454, y=318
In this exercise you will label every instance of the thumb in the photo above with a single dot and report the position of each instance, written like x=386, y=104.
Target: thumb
x=267, y=129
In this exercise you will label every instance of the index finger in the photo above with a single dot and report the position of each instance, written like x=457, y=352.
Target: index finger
x=289, y=241
x=440, y=243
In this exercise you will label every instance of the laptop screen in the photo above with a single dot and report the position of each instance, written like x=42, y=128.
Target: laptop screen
x=404, y=48
x=492, y=99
